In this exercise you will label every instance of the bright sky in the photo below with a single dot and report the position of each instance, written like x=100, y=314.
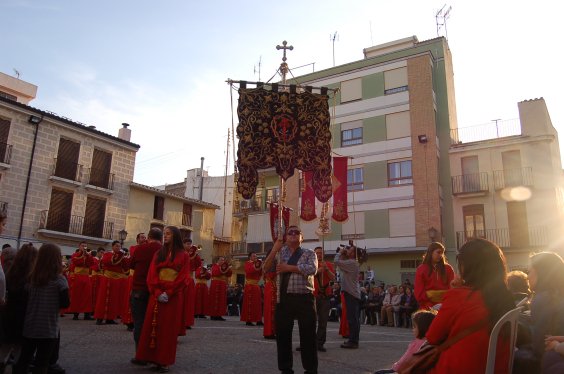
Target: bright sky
x=161, y=66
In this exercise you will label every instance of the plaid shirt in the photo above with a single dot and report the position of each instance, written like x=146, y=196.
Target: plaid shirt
x=307, y=264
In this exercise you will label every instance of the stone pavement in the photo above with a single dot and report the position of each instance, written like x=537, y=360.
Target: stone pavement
x=223, y=347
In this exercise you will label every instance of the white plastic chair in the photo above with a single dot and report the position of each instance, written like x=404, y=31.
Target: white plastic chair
x=510, y=317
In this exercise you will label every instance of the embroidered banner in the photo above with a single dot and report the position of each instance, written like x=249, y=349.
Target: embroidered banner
x=284, y=130
x=340, y=204
x=274, y=221
x=308, y=198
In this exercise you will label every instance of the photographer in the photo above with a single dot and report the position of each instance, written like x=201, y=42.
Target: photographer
x=345, y=259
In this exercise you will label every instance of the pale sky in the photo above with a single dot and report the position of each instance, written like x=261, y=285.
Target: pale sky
x=161, y=66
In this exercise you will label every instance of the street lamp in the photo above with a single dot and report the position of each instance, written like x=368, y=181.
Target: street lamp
x=122, y=236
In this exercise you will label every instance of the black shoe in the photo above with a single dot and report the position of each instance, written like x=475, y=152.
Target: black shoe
x=188, y=327
x=203, y=317
x=349, y=345
x=135, y=361
x=259, y=323
x=75, y=317
x=321, y=348
x=88, y=317
x=111, y=322
x=272, y=337
x=298, y=348
x=250, y=324
x=99, y=322
x=162, y=369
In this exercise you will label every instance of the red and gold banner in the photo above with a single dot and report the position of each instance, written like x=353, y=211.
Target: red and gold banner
x=274, y=226
x=340, y=205
x=308, y=198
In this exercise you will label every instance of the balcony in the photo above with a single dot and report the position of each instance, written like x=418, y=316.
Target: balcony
x=475, y=184
x=238, y=248
x=100, y=180
x=506, y=238
x=64, y=225
x=499, y=129
x=5, y=156
x=513, y=178
x=250, y=206
x=67, y=172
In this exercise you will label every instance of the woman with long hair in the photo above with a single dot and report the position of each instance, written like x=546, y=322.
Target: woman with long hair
x=166, y=280
x=432, y=277
x=48, y=293
x=480, y=301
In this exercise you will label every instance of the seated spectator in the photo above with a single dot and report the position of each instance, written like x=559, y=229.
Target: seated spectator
x=421, y=321
x=518, y=284
x=480, y=301
x=408, y=305
x=387, y=311
x=374, y=304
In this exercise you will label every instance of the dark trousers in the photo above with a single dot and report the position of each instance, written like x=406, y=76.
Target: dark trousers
x=43, y=349
x=322, y=307
x=138, y=302
x=302, y=308
x=353, y=317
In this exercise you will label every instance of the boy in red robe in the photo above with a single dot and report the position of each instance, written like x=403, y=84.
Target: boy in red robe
x=221, y=272
x=113, y=285
x=81, y=290
x=252, y=301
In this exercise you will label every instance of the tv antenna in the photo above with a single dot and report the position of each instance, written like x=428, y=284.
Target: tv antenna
x=441, y=18
x=17, y=73
x=332, y=38
x=258, y=70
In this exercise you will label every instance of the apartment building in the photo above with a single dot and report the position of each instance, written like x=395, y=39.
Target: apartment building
x=60, y=181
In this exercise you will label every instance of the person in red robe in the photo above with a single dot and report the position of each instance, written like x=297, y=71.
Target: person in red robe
x=81, y=290
x=252, y=299
x=126, y=317
x=166, y=281
x=113, y=284
x=96, y=274
x=201, y=299
x=269, y=309
x=195, y=262
x=221, y=272
x=432, y=277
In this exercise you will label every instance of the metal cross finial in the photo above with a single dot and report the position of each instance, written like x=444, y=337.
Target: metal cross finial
x=283, y=47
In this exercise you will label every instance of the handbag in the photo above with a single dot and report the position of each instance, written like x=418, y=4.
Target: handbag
x=428, y=355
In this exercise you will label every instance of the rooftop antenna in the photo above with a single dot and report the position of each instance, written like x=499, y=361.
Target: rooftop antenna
x=258, y=70
x=371, y=40
x=17, y=73
x=334, y=37
x=441, y=18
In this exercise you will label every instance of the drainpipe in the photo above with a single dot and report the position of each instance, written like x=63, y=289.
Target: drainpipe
x=201, y=179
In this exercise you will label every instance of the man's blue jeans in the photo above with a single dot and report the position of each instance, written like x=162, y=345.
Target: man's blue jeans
x=353, y=317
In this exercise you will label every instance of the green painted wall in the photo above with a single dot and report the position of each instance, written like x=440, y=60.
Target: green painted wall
x=375, y=175
x=377, y=224
x=373, y=86
x=334, y=99
x=374, y=129
x=336, y=136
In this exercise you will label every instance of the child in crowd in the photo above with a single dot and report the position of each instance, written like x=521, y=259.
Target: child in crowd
x=421, y=320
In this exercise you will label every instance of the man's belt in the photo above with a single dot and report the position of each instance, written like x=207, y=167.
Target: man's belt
x=81, y=270
x=114, y=274
x=252, y=282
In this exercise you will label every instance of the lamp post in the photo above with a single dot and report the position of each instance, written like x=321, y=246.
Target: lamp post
x=122, y=236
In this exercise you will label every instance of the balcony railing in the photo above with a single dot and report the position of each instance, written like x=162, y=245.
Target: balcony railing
x=239, y=248
x=513, y=178
x=470, y=183
x=186, y=220
x=494, y=130
x=3, y=207
x=71, y=224
x=507, y=238
x=251, y=206
x=5, y=153
x=67, y=169
x=101, y=178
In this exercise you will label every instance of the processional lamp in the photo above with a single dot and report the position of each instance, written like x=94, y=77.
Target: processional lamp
x=122, y=235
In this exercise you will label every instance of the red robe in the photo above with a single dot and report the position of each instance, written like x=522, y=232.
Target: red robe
x=195, y=262
x=126, y=316
x=252, y=299
x=112, y=287
x=95, y=276
x=460, y=309
x=344, y=323
x=425, y=282
x=157, y=343
x=81, y=290
x=269, y=304
x=201, y=300
x=218, y=291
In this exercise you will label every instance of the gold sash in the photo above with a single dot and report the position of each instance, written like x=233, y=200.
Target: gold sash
x=253, y=282
x=201, y=281
x=114, y=274
x=435, y=296
x=222, y=278
x=81, y=270
x=167, y=274
x=131, y=272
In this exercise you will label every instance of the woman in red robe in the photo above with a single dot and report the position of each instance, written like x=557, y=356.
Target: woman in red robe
x=221, y=272
x=113, y=285
x=166, y=281
x=201, y=299
x=432, y=277
x=252, y=299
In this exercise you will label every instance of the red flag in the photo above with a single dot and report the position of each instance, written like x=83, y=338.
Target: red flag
x=340, y=205
x=274, y=226
x=308, y=198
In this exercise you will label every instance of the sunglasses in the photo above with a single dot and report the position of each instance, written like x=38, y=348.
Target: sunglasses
x=294, y=232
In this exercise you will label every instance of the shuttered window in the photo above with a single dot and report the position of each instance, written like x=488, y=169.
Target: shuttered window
x=402, y=222
x=67, y=159
x=4, y=132
x=94, y=217
x=351, y=90
x=59, y=210
x=187, y=215
x=395, y=80
x=158, y=208
x=353, y=228
x=398, y=125
x=100, y=170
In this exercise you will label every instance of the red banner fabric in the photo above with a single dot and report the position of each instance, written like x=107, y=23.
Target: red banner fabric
x=340, y=204
x=308, y=198
x=274, y=221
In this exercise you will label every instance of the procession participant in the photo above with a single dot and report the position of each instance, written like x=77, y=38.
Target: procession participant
x=269, y=309
x=81, y=284
x=221, y=272
x=166, y=282
x=126, y=317
x=346, y=260
x=96, y=273
x=201, y=299
x=297, y=268
x=139, y=298
x=432, y=277
x=195, y=262
x=113, y=285
x=323, y=292
x=252, y=303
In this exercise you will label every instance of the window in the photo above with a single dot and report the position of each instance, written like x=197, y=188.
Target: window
x=355, y=180
x=474, y=225
x=4, y=147
x=351, y=137
x=67, y=160
x=353, y=228
x=272, y=195
x=395, y=81
x=186, y=215
x=410, y=264
x=94, y=217
x=158, y=208
x=100, y=170
x=398, y=125
x=399, y=173
x=351, y=90
x=8, y=96
x=60, y=206
x=402, y=222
